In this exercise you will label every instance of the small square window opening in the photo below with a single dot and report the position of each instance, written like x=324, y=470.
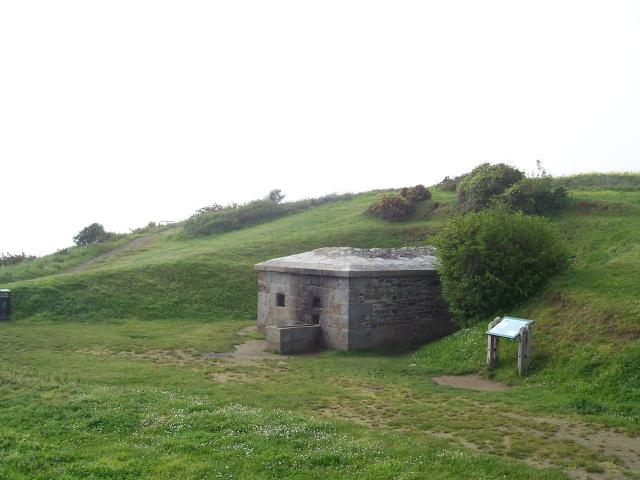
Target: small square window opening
x=280, y=299
x=315, y=319
x=316, y=301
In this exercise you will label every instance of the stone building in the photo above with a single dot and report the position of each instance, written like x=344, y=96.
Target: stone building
x=351, y=299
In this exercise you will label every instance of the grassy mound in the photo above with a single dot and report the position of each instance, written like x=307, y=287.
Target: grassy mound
x=587, y=331
x=177, y=276
x=108, y=374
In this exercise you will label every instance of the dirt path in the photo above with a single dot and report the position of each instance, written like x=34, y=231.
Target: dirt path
x=251, y=349
x=605, y=441
x=250, y=353
x=132, y=245
x=471, y=382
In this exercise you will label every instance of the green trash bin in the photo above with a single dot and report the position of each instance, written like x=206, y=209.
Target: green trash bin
x=5, y=304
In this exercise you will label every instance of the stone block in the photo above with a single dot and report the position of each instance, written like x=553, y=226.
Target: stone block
x=263, y=298
x=276, y=277
x=293, y=339
x=276, y=287
x=335, y=337
x=262, y=318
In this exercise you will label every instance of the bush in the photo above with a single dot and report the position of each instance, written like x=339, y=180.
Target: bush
x=477, y=191
x=419, y=193
x=399, y=207
x=232, y=217
x=449, y=184
x=216, y=219
x=493, y=260
x=535, y=196
x=94, y=233
x=392, y=207
x=216, y=207
x=14, y=259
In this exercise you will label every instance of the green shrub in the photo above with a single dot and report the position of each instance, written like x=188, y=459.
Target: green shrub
x=232, y=217
x=535, y=196
x=399, y=207
x=217, y=219
x=94, y=233
x=477, y=190
x=493, y=260
x=392, y=207
x=216, y=207
x=419, y=193
x=14, y=259
x=449, y=184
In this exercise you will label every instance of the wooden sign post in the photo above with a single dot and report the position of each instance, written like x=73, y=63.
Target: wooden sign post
x=492, y=345
x=511, y=328
x=524, y=349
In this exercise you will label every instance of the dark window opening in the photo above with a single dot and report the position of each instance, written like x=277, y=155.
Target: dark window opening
x=315, y=319
x=280, y=299
x=316, y=301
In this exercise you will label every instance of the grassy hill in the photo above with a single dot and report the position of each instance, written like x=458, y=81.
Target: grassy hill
x=107, y=374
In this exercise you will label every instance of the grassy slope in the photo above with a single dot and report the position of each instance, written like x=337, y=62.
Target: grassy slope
x=587, y=333
x=106, y=376
x=177, y=277
x=58, y=262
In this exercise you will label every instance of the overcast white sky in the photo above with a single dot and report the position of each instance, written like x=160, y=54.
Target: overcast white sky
x=123, y=112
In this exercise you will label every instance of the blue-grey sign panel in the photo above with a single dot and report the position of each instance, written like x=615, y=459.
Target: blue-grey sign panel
x=509, y=327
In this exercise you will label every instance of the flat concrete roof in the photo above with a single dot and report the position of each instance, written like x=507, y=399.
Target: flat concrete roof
x=356, y=262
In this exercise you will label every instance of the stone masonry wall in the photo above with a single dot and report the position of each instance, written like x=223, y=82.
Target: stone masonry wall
x=309, y=300
x=396, y=311
x=358, y=312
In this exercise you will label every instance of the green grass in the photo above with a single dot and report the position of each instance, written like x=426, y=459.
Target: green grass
x=136, y=399
x=608, y=196
x=61, y=261
x=602, y=181
x=67, y=258
x=105, y=373
x=587, y=330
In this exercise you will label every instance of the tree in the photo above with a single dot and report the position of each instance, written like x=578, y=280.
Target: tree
x=94, y=233
x=276, y=196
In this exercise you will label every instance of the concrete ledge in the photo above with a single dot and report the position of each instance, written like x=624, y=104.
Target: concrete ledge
x=342, y=273
x=293, y=338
